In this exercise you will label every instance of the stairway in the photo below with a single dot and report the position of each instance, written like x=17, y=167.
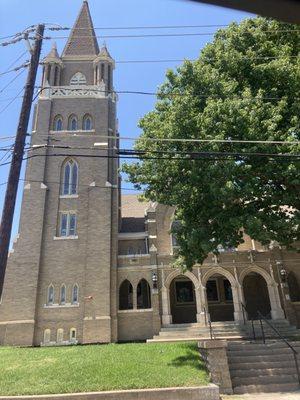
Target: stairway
x=229, y=330
x=262, y=367
x=282, y=325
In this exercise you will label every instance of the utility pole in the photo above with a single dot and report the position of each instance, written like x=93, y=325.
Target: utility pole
x=18, y=153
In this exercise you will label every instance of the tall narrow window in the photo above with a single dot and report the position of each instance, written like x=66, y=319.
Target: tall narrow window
x=56, y=76
x=73, y=124
x=109, y=78
x=75, y=294
x=70, y=178
x=60, y=335
x=58, y=123
x=143, y=294
x=102, y=72
x=126, y=296
x=63, y=294
x=87, y=123
x=68, y=224
x=50, y=297
x=47, y=336
x=73, y=335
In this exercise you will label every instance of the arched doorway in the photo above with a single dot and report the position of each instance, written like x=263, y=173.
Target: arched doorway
x=256, y=295
x=219, y=298
x=183, y=300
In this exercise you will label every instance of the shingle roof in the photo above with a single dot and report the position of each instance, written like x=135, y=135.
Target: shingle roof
x=133, y=214
x=82, y=40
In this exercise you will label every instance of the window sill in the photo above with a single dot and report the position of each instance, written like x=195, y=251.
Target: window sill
x=68, y=196
x=67, y=305
x=65, y=237
x=136, y=310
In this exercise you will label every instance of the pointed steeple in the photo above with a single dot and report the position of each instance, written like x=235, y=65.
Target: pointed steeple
x=53, y=54
x=82, y=40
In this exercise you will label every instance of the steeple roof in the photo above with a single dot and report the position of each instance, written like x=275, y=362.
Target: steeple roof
x=82, y=40
x=53, y=54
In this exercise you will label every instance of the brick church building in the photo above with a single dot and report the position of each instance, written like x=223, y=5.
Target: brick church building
x=92, y=265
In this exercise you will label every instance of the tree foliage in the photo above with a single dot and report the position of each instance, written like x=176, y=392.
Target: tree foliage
x=244, y=86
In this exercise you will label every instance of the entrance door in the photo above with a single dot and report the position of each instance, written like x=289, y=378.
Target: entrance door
x=256, y=296
x=219, y=299
x=183, y=302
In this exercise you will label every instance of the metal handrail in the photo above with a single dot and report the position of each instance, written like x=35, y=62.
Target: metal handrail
x=295, y=353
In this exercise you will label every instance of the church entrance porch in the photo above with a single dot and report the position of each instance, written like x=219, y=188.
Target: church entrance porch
x=219, y=299
x=256, y=296
x=183, y=301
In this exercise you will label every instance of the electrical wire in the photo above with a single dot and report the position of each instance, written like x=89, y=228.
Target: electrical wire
x=12, y=101
x=156, y=35
x=162, y=95
x=12, y=80
x=153, y=139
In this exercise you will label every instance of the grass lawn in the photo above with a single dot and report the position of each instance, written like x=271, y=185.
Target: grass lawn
x=99, y=367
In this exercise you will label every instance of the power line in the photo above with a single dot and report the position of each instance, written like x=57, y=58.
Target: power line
x=14, y=62
x=153, y=139
x=12, y=101
x=161, y=95
x=151, y=35
x=12, y=80
x=144, y=27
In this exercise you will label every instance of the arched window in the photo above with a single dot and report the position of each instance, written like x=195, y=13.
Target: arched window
x=73, y=124
x=78, y=79
x=50, y=297
x=47, y=336
x=143, y=294
x=75, y=291
x=63, y=294
x=126, y=296
x=69, y=178
x=60, y=335
x=87, y=123
x=294, y=288
x=174, y=228
x=73, y=335
x=58, y=123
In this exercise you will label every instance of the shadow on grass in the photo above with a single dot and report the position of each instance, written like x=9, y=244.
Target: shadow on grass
x=191, y=359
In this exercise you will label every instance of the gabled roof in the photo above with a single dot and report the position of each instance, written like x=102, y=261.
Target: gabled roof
x=82, y=40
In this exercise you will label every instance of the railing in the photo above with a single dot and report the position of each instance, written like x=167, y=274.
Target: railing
x=295, y=353
x=245, y=312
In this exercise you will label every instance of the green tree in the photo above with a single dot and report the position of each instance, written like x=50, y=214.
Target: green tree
x=244, y=86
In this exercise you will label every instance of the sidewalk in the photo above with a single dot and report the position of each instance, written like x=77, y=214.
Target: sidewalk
x=265, y=396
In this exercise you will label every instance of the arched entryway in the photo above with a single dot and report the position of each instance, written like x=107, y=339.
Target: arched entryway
x=256, y=295
x=183, y=300
x=219, y=298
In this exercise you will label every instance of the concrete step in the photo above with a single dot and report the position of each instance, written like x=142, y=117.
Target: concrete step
x=279, y=387
x=264, y=380
x=259, y=358
x=261, y=365
x=271, y=344
x=262, y=372
x=260, y=352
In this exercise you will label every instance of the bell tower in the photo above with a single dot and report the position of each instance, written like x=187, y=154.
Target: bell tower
x=60, y=285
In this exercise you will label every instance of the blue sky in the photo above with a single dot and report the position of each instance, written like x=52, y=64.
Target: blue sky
x=15, y=15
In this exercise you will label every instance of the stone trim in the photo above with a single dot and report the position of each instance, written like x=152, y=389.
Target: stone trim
x=22, y=321
x=209, y=392
x=132, y=235
x=135, y=310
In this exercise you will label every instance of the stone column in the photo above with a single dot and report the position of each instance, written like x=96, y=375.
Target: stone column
x=200, y=312
x=238, y=313
x=276, y=309
x=214, y=353
x=166, y=314
x=134, y=299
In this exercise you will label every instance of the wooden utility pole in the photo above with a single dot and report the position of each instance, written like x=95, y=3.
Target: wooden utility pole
x=18, y=153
